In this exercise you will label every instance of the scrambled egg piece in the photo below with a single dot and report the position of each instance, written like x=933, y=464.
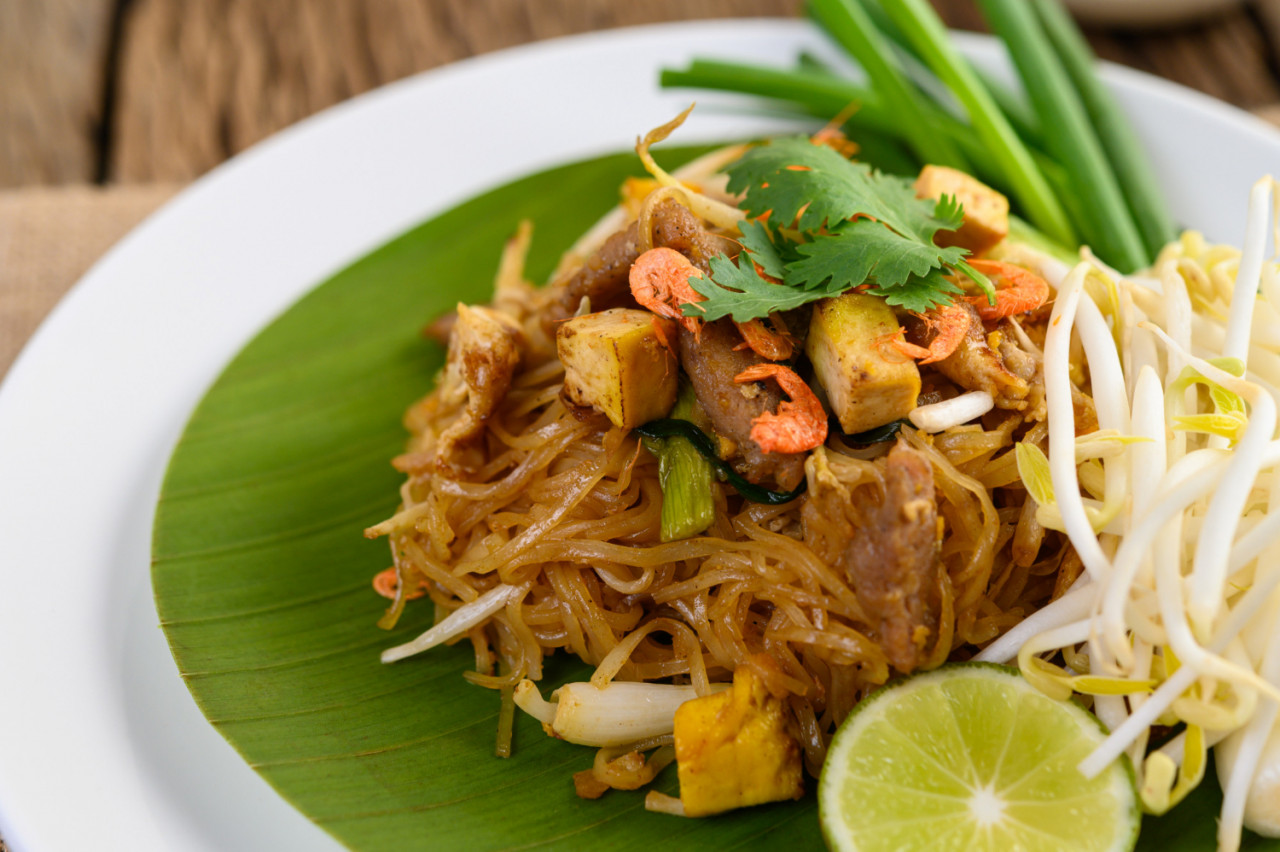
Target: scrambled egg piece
x=734, y=749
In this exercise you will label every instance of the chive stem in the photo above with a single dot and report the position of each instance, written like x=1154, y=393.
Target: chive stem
x=683, y=428
x=1106, y=225
x=847, y=23
x=688, y=506
x=921, y=25
x=1119, y=140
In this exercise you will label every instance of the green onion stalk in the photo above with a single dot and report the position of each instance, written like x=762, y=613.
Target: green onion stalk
x=848, y=24
x=1107, y=224
x=1132, y=166
x=921, y=26
x=688, y=506
x=1071, y=164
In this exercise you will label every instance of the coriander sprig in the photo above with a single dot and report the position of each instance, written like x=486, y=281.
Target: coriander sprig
x=1035, y=156
x=836, y=225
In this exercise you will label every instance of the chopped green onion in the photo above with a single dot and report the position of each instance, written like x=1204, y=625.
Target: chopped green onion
x=688, y=507
x=699, y=439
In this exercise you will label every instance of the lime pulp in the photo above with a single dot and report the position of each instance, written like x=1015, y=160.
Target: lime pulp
x=972, y=757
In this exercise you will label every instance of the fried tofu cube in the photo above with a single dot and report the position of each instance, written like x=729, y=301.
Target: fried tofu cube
x=620, y=362
x=867, y=383
x=986, y=212
x=734, y=749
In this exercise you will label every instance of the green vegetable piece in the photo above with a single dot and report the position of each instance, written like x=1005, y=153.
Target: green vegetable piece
x=921, y=26
x=793, y=177
x=771, y=258
x=848, y=24
x=821, y=94
x=1131, y=164
x=688, y=507
x=755, y=493
x=862, y=226
x=817, y=92
x=1015, y=110
x=737, y=290
x=1107, y=225
x=864, y=249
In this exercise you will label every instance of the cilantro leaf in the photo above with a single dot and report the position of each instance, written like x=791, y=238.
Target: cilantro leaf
x=866, y=250
x=792, y=177
x=919, y=293
x=755, y=239
x=737, y=290
x=949, y=210
x=846, y=226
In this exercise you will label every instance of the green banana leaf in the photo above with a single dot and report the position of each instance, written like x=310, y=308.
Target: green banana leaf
x=262, y=577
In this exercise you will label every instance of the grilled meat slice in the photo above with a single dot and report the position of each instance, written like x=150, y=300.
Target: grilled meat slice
x=603, y=277
x=885, y=544
x=711, y=364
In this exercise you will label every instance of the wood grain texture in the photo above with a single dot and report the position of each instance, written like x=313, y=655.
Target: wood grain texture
x=52, y=61
x=202, y=81
x=1228, y=57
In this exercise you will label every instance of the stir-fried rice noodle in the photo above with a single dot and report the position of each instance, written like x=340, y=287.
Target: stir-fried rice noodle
x=1143, y=573
x=560, y=514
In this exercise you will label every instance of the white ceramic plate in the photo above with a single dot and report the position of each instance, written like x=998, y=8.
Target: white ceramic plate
x=101, y=747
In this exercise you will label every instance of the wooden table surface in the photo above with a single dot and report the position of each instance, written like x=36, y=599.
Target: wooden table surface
x=109, y=106
x=128, y=91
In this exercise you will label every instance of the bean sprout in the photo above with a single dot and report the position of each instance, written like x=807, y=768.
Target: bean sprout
x=1178, y=523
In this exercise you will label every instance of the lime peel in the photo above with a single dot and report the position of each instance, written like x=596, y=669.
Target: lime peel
x=971, y=756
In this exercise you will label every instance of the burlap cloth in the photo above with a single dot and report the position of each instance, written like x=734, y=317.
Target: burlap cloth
x=49, y=237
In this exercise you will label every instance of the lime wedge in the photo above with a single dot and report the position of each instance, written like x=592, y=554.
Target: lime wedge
x=972, y=757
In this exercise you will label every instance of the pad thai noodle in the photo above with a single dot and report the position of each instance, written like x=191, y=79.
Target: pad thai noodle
x=709, y=486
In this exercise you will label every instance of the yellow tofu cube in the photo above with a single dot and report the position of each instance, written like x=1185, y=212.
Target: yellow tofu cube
x=986, y=212
x=734, y=749
x=867, y=383
x=620, y=363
